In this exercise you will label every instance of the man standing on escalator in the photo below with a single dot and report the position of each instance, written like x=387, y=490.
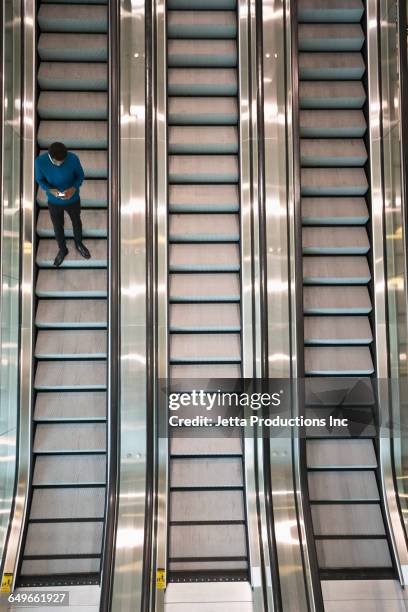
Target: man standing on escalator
x=60, y=174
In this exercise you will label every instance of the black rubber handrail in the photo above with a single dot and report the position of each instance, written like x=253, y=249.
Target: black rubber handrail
x=113, y=415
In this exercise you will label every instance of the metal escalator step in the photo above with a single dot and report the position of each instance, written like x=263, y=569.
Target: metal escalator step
x=81, y=134
x=352, y=554
x=331, y=94
x=74, y=1
x=217, y=348
x=333, y=361
x=337, y=330
x=94, y=224
x=221, y=442
x=207, y=541
x=71, y=344
x=343, y=486
x=202, y=110
x=205, y=287
x=333, y=182
x=203, y=472
x=63, y=47
x=336, y=300
x=332, y=454
x=332, y=124
x=70, y=406
x=72, y=18
x=346, y=392
x=205, y=371
x=64, y=438
x=201, y=258
x=67, y=283
x=331, y=66
x=204, y=317
x=203, y=169
x=94, y=163
x=204, y=228
x=321, y=11
x=68, y=503
x=335, y=240
x=72, y=105
x=202, y=53
x=94, y=194
x=201, y=24
x=347, y=520
x=203, y=198
x=77, y=76
x=330, y=37
x=334, y=211
x=58, y=567
x=70, y=375
x=71, y=313
x=71, y=539
x=336, y=270
x=193, y=506
x=199, y=5
x=200, y=139
x=47, y=251
x=332, y=152
x=70, y=470
x=202, y=82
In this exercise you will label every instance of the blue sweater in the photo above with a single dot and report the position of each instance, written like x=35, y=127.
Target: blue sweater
x=49, y=176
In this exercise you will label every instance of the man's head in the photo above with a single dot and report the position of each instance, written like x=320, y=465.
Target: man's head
x=57, y=153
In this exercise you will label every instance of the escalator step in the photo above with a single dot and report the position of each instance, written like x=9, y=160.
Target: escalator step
x=71, y=76
x=202, y=53
x=338, y=361
x=47, y=251
x=68, y=503
x=330, y=37
x=202, y=110
x=71, y=344
x=53, y=539
x=94, y=224
x=71, y=313
x=332, y=454
x=337, y=330
x=202, y=82
x=334, y=211
x=330, y=11
x=206, y=472
x=74, y=134
x=205, y=506
x=351, y=554
x=204, y=228
x=332, y=124
x=209, y=542
x=70, y=470
x=347, y=520
x=71, y=18
x=203, y=198
x=70, y=438
x=204, y=317
x=343, y=486
x=336, y=300
x=216, y=348
x=70, y=375
x=94, y=194
x=336, y=270
x=335, y=241
x=64, y=47
x=331, y=94
x=57, y=567
x=200, y=258
x=199, y=139
x=203, y=168
x=201, y=24
x=200, y=5
x=72, y=105
x=70, y=406
x=204, y=370
x=333, y=182
x=331, y=66
x=332, y=152
x=205, y=287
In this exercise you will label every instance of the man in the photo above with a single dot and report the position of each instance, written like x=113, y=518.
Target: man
x=60, y=174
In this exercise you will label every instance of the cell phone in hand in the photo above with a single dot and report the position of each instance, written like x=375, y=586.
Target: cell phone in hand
x=61, y=194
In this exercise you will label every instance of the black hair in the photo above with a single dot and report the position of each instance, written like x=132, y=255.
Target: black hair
x=58, y=151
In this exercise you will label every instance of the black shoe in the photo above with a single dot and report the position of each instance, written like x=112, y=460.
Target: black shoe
x=61, y=255
x=82, y=250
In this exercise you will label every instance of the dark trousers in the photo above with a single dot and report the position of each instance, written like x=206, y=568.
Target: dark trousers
x=57, y=218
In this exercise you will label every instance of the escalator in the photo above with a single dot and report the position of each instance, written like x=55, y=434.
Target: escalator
x=66, y=509
x=207, y=519
x=338, y=305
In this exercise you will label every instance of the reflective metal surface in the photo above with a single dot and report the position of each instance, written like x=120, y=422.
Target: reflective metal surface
x=27, y=197
x=396, y=531
x=282, y=284
x=127, y=587
x=161, y=262
x=10, y=115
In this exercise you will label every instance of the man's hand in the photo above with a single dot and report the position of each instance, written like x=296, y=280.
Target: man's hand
x=70, y=192
x=55, y=193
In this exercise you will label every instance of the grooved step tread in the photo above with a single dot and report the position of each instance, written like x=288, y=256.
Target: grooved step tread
x=205, y=110
x=70, y=470
x=70, y=406
x=69, y=344
x=203, y=168
x=71, y=313
x=72, y=18
x=331, y=94
x=67, y=437
x=60, y=375
x=71, y=503
x=94, y=223
x=336, y=300
x=348, y=270
x=204, y=228
x=78, y=76
x=89, y=134
x=199, y=258
x=203, y=198
x=205, y=287
x=72, y=105
x=337, y=330
x=341, y=454
x=338, y=361
x=73, y=47
x=196, y=52
x=331, y=211
x=47, y=250
x=200, y=139
x=204, y=347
